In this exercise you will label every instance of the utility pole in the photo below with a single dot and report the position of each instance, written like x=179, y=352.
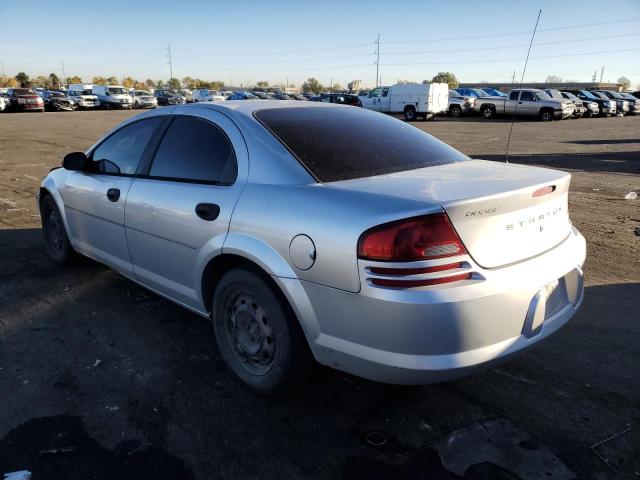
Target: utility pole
x=64, y=77
x=595, y=75
x=170, y=64
x=377, y=59
x=513, y=78
x=601, y=73
x=2, y=63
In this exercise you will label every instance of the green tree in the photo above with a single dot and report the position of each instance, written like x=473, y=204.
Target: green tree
x=150, y=83
x=188, y=82
x=312, y=85
x=99, y=81
x=624, y=83
x=446, y=77
x=216, y=85
x=40, y=81
x=54, y=81
x=23, y=79
x=262, y=84
x=173, y=83
x=112, y=80
x=74, y=79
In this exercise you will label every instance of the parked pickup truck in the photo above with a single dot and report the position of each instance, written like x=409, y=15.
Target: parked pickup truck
x=525, y=101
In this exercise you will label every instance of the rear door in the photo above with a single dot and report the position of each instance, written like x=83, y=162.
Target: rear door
x=94, y=200
x=180, y=211
x=511, y=102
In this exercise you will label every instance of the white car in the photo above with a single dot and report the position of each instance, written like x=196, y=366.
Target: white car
x=206, y=95
x=3, y=103
x=143, y=99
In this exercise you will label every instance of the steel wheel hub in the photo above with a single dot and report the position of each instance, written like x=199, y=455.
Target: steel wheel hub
x=251, y=335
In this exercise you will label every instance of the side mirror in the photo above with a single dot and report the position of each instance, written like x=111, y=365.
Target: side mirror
x=75, y=161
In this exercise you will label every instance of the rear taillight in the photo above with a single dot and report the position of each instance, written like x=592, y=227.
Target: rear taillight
x=420, y=238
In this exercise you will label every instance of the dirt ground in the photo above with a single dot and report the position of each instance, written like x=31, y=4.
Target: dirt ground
x=100, y=378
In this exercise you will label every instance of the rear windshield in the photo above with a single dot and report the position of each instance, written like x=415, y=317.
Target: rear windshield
x=342, y=143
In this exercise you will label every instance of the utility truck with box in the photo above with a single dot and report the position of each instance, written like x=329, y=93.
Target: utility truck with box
x=413, y=100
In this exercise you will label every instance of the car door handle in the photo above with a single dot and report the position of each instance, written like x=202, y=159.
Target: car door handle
x=113, y=194
x=208, y=211
x=520, y=103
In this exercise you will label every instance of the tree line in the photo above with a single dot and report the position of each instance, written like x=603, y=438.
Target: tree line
x=53, y=82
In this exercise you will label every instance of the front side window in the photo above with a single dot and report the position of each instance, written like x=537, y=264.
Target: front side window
x=527, y=97
x=375, y=92
x=121, y=152
x=195, y=150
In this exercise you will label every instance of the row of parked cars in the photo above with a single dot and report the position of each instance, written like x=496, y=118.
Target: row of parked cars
x=548, y=104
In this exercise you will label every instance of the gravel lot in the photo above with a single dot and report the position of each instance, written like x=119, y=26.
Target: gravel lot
x=102, y=379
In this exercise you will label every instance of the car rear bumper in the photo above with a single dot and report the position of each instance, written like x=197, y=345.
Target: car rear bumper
x=438, y=333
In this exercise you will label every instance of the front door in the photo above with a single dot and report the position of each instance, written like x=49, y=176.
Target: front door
x=528, y=104
x=179, y=212
x=94, y=200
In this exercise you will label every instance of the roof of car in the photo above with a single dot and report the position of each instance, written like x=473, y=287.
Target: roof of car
x=247, y=107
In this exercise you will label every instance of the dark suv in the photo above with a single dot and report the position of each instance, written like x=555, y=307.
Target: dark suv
x=341, y=98
x=169, y=97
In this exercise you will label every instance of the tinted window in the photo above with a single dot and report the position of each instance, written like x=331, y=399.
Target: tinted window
x=514, y=95
x=122, y=151
x=527, y=97
x=342, y=143
x=195, y=149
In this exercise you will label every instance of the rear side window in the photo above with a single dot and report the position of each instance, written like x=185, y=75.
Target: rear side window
x=340, y=143
x=527, y=97
x=195, y=150
x=121, y=152
x=514, y=95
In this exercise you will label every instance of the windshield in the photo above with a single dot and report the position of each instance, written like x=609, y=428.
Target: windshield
x=542, y=95
x=554, y=93
x=23, y=91
x=571, y=96
x=117, y=91
x=615, y=94
x=139, y=93
x=599, y=95
x=344, y=143
x=56, y=94
x=588, y=94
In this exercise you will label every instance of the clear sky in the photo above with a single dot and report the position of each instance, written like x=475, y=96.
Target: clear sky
x=244, y=41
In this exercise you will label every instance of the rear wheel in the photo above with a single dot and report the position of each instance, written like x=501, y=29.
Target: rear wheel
x=55, y=235
x=546, y=115
x=409, y=113
x=488, y=112
x=257, y=333
x=455, y=110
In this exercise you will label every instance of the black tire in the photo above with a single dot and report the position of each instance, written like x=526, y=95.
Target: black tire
x=257, y=333
x=409, y=113
x=546, y=115
x=55, y=235
x=455, y=111
x=488, y=112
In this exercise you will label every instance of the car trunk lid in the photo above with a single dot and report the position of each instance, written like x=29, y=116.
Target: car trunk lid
x=503, y=213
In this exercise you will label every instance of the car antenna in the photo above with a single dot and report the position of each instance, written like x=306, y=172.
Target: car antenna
x=526, y=60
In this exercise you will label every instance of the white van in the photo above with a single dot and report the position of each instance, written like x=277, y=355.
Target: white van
x=112, y=96
x=206, y=95
x=411, y=99
x=82, y=96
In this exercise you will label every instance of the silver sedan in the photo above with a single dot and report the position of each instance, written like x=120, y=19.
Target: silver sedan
x=317, y=231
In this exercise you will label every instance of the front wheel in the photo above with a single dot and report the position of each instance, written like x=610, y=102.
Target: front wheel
x=58, y=246
x=455, y=111
x=409, y=114
x=257, y=333
x=546, y=115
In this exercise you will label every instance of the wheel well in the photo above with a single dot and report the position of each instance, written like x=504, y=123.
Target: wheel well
x=43, y=193
x=409, y=107
x=487, y=105
x=220, y=265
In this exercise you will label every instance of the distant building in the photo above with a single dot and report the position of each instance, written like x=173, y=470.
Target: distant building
x=505, y=87
x=354, y=85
